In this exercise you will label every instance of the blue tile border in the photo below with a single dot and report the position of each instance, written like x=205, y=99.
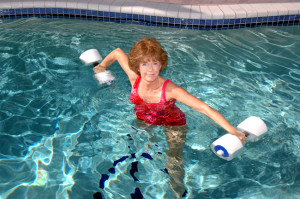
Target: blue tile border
x=196, y=24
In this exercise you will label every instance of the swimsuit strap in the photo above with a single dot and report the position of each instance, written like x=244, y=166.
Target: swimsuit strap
x=137, y=82
x=163, y=92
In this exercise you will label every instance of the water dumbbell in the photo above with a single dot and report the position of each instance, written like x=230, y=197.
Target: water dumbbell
x=228, y=146
x=93, y=57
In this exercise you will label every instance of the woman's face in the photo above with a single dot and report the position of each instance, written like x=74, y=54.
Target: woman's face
x=149, y=69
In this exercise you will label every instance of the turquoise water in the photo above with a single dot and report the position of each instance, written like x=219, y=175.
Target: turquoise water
x=61, y=133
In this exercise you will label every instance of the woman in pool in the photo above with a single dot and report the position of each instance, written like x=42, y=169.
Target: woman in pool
x=154, y=96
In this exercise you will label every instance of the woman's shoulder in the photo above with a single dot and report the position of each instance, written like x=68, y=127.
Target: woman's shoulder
x=171, y=84
x=173, y=90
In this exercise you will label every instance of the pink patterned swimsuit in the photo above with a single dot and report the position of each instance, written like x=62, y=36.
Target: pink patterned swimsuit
x=163, y=113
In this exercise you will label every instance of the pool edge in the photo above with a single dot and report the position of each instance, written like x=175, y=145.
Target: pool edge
x=159, y=14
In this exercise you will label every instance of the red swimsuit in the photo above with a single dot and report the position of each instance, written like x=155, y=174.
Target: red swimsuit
x=163, y=113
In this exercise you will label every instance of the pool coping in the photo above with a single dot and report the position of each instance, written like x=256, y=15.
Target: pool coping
x=192, y=16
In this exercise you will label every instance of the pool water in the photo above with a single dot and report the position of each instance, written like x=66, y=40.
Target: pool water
x=64, y=136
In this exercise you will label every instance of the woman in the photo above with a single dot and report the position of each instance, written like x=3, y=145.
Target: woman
x=154, y=98
x=153, y=95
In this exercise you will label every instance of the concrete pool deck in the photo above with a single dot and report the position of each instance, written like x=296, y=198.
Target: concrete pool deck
x=219, y=2
x=183, y=13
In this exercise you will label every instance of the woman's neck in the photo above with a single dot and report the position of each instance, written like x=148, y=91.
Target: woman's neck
x=153, y=85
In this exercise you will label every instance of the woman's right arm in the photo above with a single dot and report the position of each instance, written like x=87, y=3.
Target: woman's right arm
x=120, y=56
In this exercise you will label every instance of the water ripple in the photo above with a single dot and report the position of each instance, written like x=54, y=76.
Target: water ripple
x=66, y=130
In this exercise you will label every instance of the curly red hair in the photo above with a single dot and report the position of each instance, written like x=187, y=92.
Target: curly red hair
x=146, y=48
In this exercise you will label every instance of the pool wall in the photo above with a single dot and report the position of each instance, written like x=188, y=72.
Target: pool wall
x=190, y=16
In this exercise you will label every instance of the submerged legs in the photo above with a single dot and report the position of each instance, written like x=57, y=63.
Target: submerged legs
x=176, y=137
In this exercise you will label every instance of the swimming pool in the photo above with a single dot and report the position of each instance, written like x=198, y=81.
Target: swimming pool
x=64, y=136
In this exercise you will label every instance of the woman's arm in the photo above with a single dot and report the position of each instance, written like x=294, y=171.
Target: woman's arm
x=120, y=56
x=181, y=95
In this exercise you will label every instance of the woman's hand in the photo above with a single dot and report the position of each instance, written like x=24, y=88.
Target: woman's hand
x=117, y=55
x=240, y=135
x=99, y=69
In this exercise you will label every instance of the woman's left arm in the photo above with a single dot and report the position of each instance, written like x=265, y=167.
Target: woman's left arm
x=181, y=95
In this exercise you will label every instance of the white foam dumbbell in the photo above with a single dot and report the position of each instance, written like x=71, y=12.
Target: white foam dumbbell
x=93, y=57
x=228, y=146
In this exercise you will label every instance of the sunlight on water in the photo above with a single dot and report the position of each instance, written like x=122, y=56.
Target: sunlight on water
x=71, y=138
